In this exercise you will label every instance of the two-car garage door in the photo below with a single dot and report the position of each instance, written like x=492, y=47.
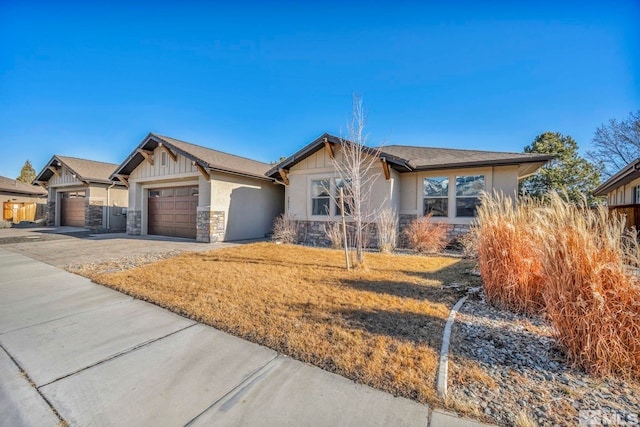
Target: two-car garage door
x=172, y=211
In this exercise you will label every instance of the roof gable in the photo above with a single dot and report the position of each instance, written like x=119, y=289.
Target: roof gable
x=206, y=157
x=90, y=171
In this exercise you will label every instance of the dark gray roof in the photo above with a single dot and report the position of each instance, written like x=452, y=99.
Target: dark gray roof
x=85, y=170
x=8, y=185
x=424, y=158
x=405, y=158
x=206, y=157
x=624, y=176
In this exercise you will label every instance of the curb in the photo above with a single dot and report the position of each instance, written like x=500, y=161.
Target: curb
x=443, y=365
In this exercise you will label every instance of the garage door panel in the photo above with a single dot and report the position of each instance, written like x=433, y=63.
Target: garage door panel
x=171, y=214
x=72, y=211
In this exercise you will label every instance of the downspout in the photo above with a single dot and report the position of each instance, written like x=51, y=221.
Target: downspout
x=109, y=205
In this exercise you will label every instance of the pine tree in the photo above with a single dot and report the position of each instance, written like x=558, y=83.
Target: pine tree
x=27, y=173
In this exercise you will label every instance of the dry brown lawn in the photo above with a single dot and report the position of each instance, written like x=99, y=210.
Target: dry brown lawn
x=381, y=325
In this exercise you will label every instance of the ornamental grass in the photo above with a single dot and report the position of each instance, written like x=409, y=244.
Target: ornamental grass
x=576, y=265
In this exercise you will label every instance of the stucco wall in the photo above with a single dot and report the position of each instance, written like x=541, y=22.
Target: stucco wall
x=250, y=206
x=500, y=178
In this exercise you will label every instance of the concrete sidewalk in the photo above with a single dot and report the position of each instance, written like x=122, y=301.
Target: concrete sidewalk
x=81, y=353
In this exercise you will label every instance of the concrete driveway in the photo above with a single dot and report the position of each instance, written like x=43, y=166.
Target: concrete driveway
x=78, y=353
x=69, y=246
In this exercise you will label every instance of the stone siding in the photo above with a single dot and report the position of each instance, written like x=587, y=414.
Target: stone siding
x=210, y=226
x=134, y=222
x=93, y=215
x=51, y=214
x=312, y=232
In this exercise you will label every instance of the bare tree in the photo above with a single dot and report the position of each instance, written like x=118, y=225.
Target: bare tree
x=616, y=144
x=354, y=170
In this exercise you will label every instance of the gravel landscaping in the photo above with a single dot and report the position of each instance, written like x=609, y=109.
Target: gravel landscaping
x=507, y=369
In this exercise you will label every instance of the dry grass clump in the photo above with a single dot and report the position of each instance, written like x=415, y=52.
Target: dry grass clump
x=333, y=230
x=285, y=228
x=387, y=225
x=574, y=263
x=381, y=326
x=591, y=286
x=508, y=255
x=426, y=236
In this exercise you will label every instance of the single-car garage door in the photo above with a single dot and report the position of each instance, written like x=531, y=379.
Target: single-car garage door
x=172, y=211
x=72, y=208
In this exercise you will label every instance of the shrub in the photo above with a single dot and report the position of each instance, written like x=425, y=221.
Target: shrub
x=285, y=228
x=5, y=224
x=333, y=230
x=387, y=226
x=508, y=254
x=426, y=236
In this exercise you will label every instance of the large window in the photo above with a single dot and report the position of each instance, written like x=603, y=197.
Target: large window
x=436, y=196
x=320, y=197
x=468, y=190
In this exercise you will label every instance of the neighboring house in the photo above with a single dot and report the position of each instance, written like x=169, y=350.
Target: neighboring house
x=81, y=194
x=22, y=202
x=623, y=188
x=412, y=180
x=622, y=191
x=185, y=190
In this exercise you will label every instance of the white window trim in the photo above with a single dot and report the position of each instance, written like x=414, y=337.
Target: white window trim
x=452, y=174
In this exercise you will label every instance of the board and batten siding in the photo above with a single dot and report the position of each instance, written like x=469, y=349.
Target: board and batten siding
x=318, y=166
x=146, y=170
x=65, y=179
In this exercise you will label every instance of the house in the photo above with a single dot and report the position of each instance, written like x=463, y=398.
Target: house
x=623, y=188
x=80, y=194
x=22, y=202
x=622, y=191
x=180, y=189
x=412, y=180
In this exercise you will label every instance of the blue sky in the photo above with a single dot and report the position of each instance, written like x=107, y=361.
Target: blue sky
x=91, y=79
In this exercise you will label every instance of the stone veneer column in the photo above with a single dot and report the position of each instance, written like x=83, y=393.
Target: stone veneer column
x=94, y=215
x=210, y=226
x=134, y=222
x=51, y=214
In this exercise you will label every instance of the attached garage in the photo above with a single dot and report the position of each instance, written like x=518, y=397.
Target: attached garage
x=173, y=211
x=72, y=208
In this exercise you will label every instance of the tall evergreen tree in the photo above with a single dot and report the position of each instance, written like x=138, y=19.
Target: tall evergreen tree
x=568, y=173
x=27, y=173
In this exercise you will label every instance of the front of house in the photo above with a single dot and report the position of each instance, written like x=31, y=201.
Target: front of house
x=622, y=191
x=185, y=190
x=80, y=194
x=414, y=181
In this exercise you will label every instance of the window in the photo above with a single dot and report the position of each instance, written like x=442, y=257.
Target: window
x=636, y=194
x=154, y=193
x=344, y=184
x=320, y=197
x=436, y=196
x=468, y=190
x=163, y=158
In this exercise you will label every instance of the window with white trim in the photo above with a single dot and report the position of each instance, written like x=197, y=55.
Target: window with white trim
x=320, y=196
x=163, y=158
x=468, y=190
x=436, y=196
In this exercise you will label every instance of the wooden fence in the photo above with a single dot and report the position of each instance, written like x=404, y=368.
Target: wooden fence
x=631, y=212
x=16, y=212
